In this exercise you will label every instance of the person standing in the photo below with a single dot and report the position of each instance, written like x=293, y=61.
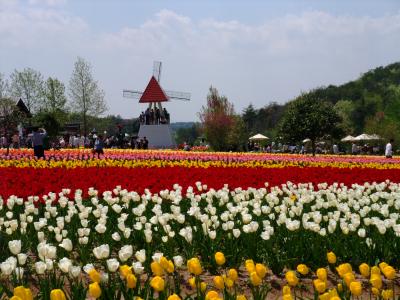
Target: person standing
x=389, y=149
x=37, y=141
x=98, y=146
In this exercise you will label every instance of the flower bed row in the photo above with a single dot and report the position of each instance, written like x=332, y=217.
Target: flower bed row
x=123, y=243
x=70, y=158
x=39, y=181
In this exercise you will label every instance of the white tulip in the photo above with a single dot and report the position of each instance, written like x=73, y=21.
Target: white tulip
x=125, y=253
x=112, y=265
x=138, y=268
x=15, y=246
x=65, y=264
x=40, y=267
x=75, y=271
x=178, y=261
x=116, y=237
x=141, y=255
x=22, y=258
x=66, y=244
x=102, y=251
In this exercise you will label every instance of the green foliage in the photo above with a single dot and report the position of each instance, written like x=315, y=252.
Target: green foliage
x=28, y=85
x=309, y=117
x=49, y=121
x=54, y=96
x=187, y=134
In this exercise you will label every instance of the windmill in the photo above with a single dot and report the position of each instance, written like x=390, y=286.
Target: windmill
x=154, y=94
x=159, y=135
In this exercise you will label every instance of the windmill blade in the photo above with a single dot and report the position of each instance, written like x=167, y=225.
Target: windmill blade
x=157, y=70
x=172, y=95
x=132, y=94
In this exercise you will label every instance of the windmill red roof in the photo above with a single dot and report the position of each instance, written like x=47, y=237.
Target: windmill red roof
x=153, y=93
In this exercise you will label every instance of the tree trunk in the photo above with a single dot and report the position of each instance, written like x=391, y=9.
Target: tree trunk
x=84, y=125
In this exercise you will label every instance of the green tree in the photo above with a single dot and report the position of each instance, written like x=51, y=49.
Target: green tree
x=249, y=116
x=344, y=109
x=187, y=134
x=28, y=85
x=54, y=96
x=217, y=119
x=87, y=98
x=309, y=117
x=238, y=135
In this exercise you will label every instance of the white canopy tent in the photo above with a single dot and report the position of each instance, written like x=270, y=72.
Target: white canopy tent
x=367, y=137
x=258, y=137
x=348, y=138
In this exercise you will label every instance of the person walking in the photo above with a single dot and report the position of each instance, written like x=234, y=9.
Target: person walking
x=98, y=146
x=37, y=141
x=389, y=149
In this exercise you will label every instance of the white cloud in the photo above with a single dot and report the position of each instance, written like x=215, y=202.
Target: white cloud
x=271, y=61
x=47, y=2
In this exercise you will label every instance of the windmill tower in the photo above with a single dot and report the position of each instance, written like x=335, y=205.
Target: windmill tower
x=159, y=135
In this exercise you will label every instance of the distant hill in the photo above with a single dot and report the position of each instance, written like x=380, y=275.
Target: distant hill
x=370, y=103
x=177, y=125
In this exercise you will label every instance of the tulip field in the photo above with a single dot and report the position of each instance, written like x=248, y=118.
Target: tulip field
x=138, y=224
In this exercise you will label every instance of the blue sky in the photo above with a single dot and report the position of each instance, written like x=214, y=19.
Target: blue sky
x=252, y=51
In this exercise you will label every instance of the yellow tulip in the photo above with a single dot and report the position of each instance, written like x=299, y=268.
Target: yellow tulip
x=131, y=281
x=343, y=269
x=219, y=282
x=194, y=266
x=16, y=298
x=255, y=279
x=233, y=274
x=291, y=278
x=241, y=297
x=212, y=295
x=174, y=297
x=364, y=270
x=387, y=294
x=170, y=267
x=382, y=265
x=302, y=269
x=375, y=270
x=286, y=290
x=250, y=266
x=324, y=296
x=340, y=287
x=57, y=294
x=376, y=281
x=331, y=257
x=125, y=270
x=192, y=282
x=203, y=286
x=220, y=258
x=287, y=297
x=349, y=278
x=322, y=274
x=355, y=288
x=157, y=283
x=335, y=298
x=229, y=282
x=94, y=290
x=94, y=275
x=389, y=272
x=319, y=285
x=261, y=270
x=156, y=268
x=375, y=291
x=23, y=293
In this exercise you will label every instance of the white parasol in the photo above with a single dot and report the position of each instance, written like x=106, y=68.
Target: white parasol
x=258, y=137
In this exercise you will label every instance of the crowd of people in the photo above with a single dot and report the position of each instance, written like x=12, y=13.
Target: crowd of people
x=154, y=116
x=39, y=141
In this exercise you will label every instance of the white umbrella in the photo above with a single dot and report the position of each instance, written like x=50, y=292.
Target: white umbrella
x=364, y=137
x=258, y=137
x=348, y=138
x=306, y=140
x=375, y=137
